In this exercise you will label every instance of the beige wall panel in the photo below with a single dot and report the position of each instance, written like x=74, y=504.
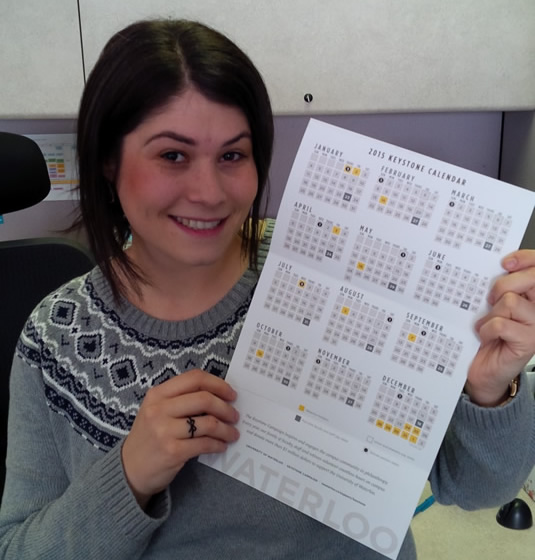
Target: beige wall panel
x=41, y=70
x=359, y=56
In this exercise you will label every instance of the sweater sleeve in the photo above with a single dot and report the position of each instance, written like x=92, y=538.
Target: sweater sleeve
x=47, y=516
x=487, y=453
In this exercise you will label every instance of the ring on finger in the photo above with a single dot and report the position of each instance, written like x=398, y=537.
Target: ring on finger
x=192, y=427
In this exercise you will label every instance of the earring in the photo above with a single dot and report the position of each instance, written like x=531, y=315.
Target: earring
x=111, y=189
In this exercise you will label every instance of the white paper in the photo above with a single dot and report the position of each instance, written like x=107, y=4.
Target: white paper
x=357, y=343
x=59, y=151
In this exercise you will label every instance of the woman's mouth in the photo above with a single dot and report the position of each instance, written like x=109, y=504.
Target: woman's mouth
x=199, y=225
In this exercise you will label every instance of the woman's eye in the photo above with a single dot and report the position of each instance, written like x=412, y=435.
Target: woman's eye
x=173, y=156
x=231, y=156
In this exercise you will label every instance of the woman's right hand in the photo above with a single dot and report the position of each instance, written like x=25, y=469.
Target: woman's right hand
x=163, y=437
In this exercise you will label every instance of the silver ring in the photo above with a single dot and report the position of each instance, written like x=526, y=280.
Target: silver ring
x=192, y=426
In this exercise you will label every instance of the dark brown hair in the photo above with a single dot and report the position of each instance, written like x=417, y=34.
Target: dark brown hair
x=139, y=70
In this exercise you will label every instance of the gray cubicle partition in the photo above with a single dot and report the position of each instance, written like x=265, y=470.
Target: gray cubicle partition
x=496, y=144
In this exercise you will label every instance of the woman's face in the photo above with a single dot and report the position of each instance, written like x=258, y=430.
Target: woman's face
x=186, y=182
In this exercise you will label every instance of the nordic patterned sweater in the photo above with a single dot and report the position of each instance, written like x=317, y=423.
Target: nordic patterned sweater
x=81, y=370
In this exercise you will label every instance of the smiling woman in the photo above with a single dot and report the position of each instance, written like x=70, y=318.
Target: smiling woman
x=186, y=183
x=140, y=78
x=118, y=382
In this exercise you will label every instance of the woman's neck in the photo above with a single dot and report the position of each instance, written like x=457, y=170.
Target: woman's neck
x=176, y=293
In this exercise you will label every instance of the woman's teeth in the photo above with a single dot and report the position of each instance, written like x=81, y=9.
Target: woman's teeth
x=196, y=224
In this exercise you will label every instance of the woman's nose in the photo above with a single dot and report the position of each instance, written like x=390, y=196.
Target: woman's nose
x=206, y=185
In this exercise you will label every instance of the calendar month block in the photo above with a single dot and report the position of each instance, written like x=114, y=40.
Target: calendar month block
x=315, y=237
x=442, y=282
x=395, y=194
x=274, y=357
x=423, y=346
x=383, y=263
x=295, y=296
x=332, y=376
x=400, y=412
x=465, y=222
x=357, y=322
x=331, y=179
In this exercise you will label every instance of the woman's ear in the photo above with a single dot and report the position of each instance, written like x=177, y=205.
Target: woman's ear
x=110, y=172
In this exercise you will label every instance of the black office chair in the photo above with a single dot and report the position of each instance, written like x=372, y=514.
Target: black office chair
x=30, y=268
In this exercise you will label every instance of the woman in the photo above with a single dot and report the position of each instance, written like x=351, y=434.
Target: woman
x=118, y=379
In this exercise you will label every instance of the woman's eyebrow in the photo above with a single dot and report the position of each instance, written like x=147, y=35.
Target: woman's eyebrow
x=190, y=141
x=173, y=136
x=238, y=137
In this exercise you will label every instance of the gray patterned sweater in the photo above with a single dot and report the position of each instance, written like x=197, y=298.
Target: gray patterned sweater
x=81, y=370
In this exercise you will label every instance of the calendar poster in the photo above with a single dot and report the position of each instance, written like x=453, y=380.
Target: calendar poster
x=59, y=151
x=356, y=346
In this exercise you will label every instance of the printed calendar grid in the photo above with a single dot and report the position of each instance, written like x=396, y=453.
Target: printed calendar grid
x=403, y=200
x=275, y=358
x=332, y=180
x=386, y=264
x=314, y=237
x=296, y=297
x=466, y=222
x=398, y=421
x=359, y=324
x=426, y=349
x=443, y=282
x=337, y=381
x=400, y=413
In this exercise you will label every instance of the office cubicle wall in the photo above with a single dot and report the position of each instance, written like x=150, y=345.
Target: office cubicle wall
x=500, y=145
x=470, y=140
x=352, y=56
x=417, y=74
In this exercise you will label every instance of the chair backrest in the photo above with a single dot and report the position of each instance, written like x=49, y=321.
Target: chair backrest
x=29, y=268
x=24, y=179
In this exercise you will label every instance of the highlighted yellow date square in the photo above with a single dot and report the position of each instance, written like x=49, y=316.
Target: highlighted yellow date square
x=345, y=311
x=336, y=230
x=383, y=199
x=379, y=423
x=259, y=353
x=356, y=171
x=413, y=439
x=405, y=435
x=412, y=337
x=361, y=266
x=387, y=427
x=416, y=431
x=396, y=431
x=301, y=408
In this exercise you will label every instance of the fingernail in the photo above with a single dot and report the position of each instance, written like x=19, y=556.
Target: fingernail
x=510, y=263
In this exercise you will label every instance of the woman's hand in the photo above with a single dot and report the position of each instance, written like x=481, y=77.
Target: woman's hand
x=180, y=419
x=507, y=332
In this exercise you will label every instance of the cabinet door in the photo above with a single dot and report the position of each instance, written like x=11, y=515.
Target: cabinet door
x=362, y=56
x=41, y=73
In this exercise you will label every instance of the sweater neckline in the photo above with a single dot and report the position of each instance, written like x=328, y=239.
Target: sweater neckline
x=132, y=317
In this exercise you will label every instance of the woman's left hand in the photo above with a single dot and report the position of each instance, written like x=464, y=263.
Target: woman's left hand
x=506, y=333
